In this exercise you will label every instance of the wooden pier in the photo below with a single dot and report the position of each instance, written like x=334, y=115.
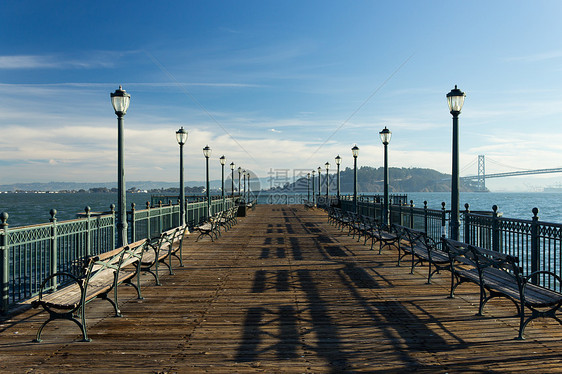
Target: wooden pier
x=284, y=291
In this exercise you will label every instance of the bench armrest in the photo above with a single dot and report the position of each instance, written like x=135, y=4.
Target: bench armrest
x=526, y=279
x=36, y=303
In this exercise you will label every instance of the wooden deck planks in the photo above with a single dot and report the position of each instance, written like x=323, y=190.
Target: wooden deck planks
x=283, y=291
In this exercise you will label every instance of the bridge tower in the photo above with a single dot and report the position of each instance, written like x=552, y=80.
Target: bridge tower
x=481, y=173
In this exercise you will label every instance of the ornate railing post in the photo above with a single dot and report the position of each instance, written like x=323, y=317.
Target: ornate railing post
x=179, y=221
x=411, y=214
x=466, y=223
x=148, y=232
x=171, y=217
x=443, y=220
x=160, y=223
x=53, y=247
x=5, y=248
x=133, y=225
x=425, y=216
x=535, y=257
x=381, y=211
x=87, y=210
x=495, y=230
x=112, y=208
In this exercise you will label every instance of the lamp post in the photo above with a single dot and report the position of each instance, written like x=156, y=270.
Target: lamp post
x=223, y=161
x=207, y=154
x=385, y=139
x=313, y=189
x=338, y=162
x=232, y=165
x=244, y=196
x=455, y=99
x=355, y=153
x=239, y=177
x=308, y=187
x=120, y=101
x=181, y=137
x=249, y=187
x=319, y=182
x=327, y=164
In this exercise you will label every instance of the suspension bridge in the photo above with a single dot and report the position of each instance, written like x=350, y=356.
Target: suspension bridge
x=481, y=177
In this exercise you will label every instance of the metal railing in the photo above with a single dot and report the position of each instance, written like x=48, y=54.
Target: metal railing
x=538, y=245
x=29, y=254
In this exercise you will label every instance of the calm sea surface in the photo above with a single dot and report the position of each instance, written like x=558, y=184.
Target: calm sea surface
x=28, y=209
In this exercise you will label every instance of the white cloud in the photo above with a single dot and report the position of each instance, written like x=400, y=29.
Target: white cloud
x=54, y=62
x=537, y=57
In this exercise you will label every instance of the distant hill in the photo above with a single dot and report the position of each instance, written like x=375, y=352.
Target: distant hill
x=74, y=186
x=371, y=179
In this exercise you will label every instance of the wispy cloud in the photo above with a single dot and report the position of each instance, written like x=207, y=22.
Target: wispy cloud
x=48, y=62
x=536, y=57
x=89, y=60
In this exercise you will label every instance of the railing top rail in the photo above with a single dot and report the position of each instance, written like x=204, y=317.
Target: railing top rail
x=59, y=223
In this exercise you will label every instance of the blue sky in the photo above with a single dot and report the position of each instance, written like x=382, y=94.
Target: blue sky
x=277, y=85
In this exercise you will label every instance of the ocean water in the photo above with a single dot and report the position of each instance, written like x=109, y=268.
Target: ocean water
x=29, y=209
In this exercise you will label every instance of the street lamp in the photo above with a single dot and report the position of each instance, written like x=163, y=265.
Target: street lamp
x=239, y=176
x=327, y=164
x=385, y=139
x=120, y=101
x=223, y=161
x=181, y=137
x=308, y=187
x=232, y=165
x=355, y=153
x=313, y=189
x=244, y=196
x=455, y=99
x=319, y=182
x=249, y=187
x=207, y=154
x=338, y=162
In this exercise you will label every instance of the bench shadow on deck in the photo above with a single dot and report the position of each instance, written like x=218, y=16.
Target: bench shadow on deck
x=284, y=291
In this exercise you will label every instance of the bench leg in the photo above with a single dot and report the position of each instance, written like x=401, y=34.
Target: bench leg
x=153, y=273
x=114, y=303
x=69, y=316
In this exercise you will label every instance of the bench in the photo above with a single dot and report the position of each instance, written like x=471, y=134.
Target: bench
x=162, y=248
x=227, y=218
x=499, y=275
x=208, y=228
x=336, y=216
x=422, y=249
x=384, y=235
x=349, y=220
x=357, y=224
x=101, y=275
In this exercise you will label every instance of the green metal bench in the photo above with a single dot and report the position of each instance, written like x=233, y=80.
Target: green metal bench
x=101, y=275
x=384, y=235
x=208, y=228
x=422, y=249
x=160, y=250
x=499, y=275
